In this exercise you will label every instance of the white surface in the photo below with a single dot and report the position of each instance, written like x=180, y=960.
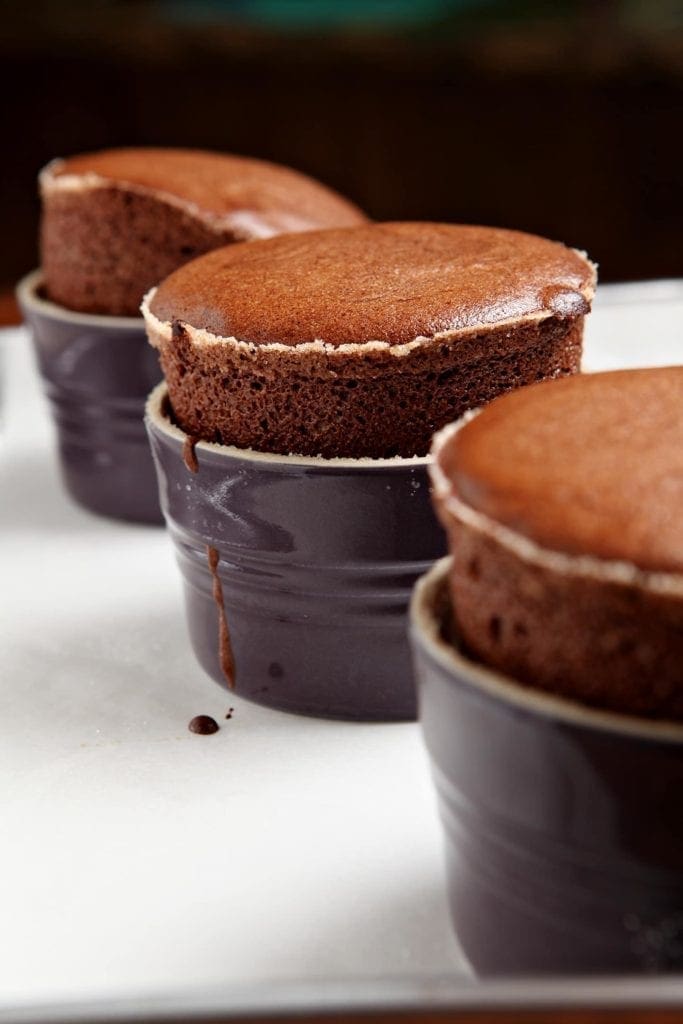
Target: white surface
x=635, y=325
x=138, y=858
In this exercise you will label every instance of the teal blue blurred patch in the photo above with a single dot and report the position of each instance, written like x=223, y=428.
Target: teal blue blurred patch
x=320, y=14
x=317, y=13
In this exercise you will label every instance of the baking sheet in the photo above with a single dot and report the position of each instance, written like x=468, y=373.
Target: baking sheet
x=282, y=863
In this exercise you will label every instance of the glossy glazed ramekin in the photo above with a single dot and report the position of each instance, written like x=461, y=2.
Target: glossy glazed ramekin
x=563, y=824
x=97, y=372
x=313, y=560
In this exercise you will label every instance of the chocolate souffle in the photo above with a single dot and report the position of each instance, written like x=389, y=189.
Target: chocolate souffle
x=361, y=342
x=117, y=222
x=563, y=508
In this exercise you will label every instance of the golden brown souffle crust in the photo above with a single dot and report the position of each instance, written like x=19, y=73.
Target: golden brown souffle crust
x=563, y=505
x=362, y=342
x=116, y=222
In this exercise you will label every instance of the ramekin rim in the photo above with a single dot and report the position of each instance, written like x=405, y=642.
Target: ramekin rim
x=505, y=690
x=27, y=296
x=155, y=415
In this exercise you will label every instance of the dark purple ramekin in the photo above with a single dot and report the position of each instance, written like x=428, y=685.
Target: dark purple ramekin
x=563, y=824
x=97, y=372
x=316, y=560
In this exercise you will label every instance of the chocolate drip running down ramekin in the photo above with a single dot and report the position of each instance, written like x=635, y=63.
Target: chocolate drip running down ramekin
x=97, y=372
x=315, y=559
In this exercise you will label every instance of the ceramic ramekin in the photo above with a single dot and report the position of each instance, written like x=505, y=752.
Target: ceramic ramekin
x=97, y=372
x=563, y=825
x=315, y=561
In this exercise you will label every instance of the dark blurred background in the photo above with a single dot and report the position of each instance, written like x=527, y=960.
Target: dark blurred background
x=559, y=118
